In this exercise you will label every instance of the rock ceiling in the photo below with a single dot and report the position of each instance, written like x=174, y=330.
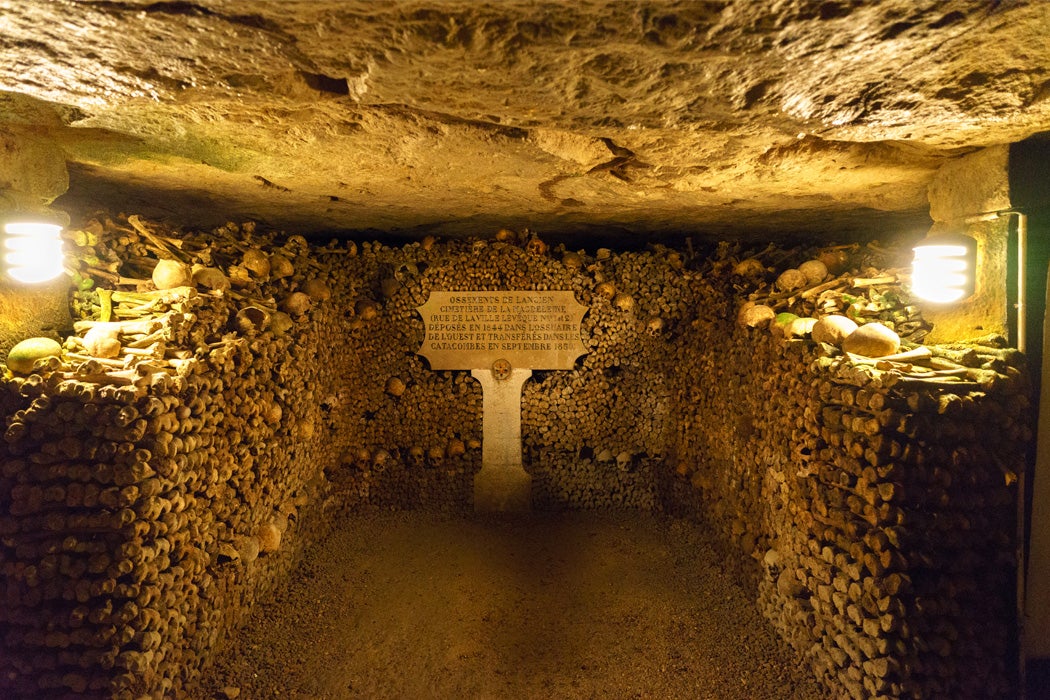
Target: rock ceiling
x=726, y=117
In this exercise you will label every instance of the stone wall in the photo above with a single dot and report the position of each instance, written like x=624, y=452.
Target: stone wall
x=32, y=173
x=963, y=192
x=154, y=491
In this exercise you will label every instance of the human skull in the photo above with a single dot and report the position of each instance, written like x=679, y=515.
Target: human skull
x=416, y=456
x=456, y=448
x=227, y=552
x=210, y=277
x=280, y=323
x=572, y=261
x=753, y=315
x=296, y=245
x=814, y=270
x=623, y=461
x=272, y=414
x=317, y=290
x=607, y=289
x=172, y=273
x=381, y=460
x=102, y=341
x=395, y=386
x=751, y=268
x=389, y=286
x=536, y=247
x=366, y=309
x=296, y=304
x=248, y=548
x=239, y=275
x=791, y=280
x=280, y=266
x=269, y=536
x=252, y=318
x=654, y=326
x=623, y=302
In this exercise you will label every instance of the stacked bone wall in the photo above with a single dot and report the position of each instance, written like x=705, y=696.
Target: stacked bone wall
x=151, y=498
x=147, y=510
x=592, y=436
x=879, y=510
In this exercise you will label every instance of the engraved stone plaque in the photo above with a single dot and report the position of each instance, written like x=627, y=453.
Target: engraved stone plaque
x=501, y=337
x=474, y=330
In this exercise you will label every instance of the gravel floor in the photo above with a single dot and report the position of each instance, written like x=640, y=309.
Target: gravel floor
x=567, y=605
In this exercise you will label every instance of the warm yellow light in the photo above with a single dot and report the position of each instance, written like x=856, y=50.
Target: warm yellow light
x=33, y=251
x=939, y=273
x=943, y=269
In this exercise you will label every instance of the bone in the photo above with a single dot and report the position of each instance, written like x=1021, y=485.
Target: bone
x=168, y=489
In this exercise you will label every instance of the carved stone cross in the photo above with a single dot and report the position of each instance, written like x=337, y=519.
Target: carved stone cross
x=501, y=336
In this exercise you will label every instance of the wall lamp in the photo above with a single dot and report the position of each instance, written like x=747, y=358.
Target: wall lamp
x=940, y=266
x=944, y=268
x=32, y=243
x=33, y=251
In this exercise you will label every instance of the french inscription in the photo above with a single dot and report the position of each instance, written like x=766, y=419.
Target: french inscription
x=472, y=330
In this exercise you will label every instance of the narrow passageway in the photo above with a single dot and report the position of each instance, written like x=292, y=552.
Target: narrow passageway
x=568, y=605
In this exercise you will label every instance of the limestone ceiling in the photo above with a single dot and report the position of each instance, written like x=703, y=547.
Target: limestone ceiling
x=730, y=117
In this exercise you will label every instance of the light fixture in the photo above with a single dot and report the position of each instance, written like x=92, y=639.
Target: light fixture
x=32, y=242
x=32, y=251
x=944, y=269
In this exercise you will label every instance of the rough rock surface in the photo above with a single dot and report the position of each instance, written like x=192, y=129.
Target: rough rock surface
x=32, y=311
x=722, y=116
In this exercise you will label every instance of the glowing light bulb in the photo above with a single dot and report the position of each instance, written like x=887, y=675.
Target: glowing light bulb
x=942, y=272
x=33, y=251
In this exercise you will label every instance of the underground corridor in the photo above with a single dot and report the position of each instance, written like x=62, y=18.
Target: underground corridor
x=556, y=605
x=526, y=349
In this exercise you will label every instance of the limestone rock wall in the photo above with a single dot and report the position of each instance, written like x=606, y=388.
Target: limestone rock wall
x=32, y=173
x=735, y=116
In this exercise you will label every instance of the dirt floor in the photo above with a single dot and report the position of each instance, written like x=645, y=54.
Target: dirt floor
x=569, y=605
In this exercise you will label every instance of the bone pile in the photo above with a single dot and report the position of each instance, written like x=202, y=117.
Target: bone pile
x=162, y=471
x=225, y=396
x=872, y=495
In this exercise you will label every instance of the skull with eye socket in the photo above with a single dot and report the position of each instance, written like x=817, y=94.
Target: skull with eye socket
x=624, y=461
x=501, y=369
x=536, y=247
x=655, y=325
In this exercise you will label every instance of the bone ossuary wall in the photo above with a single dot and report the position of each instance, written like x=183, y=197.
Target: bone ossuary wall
x=224, y=397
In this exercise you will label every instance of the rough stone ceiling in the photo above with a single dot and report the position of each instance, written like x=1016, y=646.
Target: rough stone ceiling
x=728, y=117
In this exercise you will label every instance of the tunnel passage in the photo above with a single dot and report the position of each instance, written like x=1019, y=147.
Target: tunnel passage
x=164, y=473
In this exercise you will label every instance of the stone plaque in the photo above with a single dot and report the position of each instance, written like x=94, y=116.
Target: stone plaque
x=501, y=337
x=474, y=330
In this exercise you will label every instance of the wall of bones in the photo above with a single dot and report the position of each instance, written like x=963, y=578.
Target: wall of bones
x=225, y=397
